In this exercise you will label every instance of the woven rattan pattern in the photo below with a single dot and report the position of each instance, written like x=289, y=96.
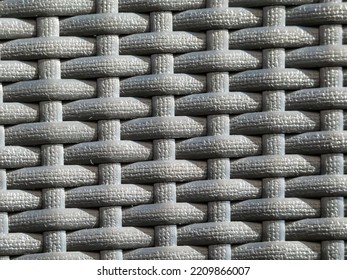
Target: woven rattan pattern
x=172, y=129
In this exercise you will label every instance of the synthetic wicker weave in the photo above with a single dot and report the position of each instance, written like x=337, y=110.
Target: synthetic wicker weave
x=173, y=129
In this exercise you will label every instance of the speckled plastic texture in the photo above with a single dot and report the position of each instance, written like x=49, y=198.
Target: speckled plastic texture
x=173, y=129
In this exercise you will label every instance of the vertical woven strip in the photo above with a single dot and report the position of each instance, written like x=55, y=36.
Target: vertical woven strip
x=203, y=129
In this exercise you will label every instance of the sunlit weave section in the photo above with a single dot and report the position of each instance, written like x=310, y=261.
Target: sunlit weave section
x=173, y=129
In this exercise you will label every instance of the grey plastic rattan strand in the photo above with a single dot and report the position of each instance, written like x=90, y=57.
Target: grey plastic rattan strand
x=173, y=129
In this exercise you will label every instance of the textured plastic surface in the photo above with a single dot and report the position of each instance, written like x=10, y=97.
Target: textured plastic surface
x=173, y=129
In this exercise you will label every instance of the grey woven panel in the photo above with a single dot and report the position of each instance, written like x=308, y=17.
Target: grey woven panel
x=173, y=129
